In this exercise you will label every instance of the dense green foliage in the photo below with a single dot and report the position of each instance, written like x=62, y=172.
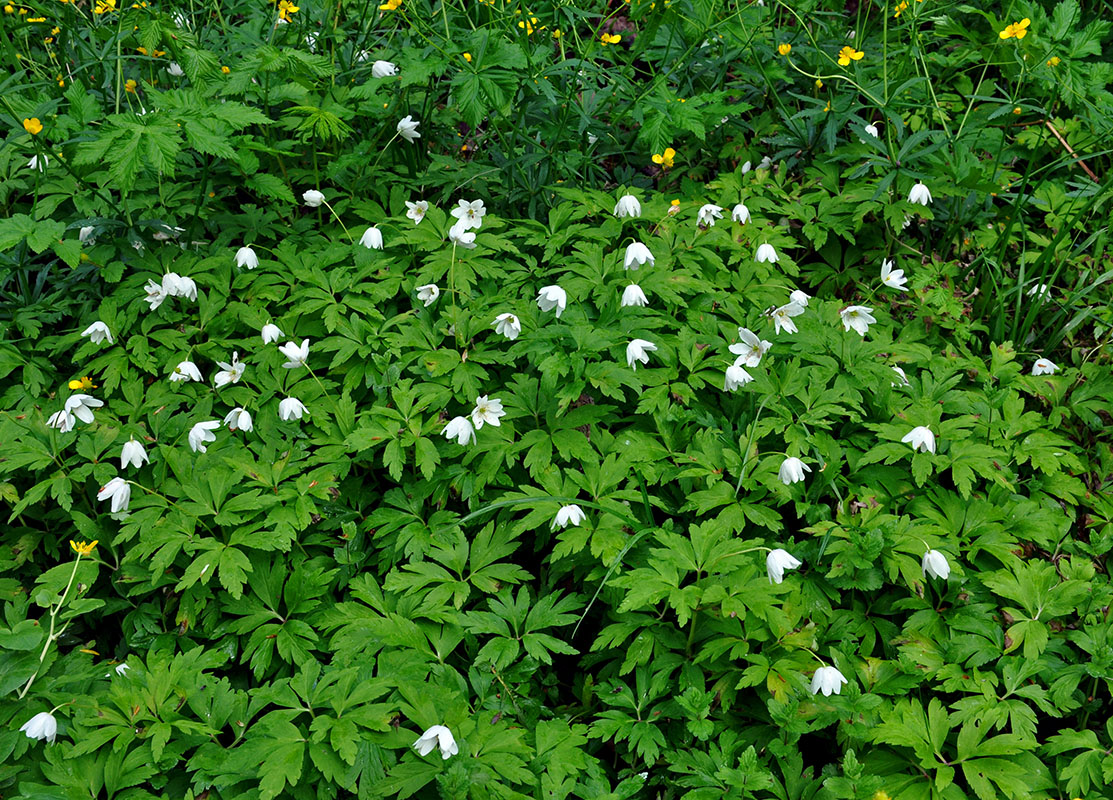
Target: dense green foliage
x=858, y=553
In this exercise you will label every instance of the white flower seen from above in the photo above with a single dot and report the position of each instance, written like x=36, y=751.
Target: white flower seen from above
x=82, y=405
x=792, y=471
x=417, y=211
x=921, y=438
x=627, y=206
x=155, y=295
x=175, y=69
x=893, y=278
x=766, y=254
x=41, y=726
x=460, y=429
x=296, y=355
x=919, y=194
x=470, y=213
x=637, y=352
x=229, y=373
x=437, y=737
x=750, y=349
x=568, y=515
x=187, y=371
x=638, y=254
x=119, y=492
x=238, y=420
x=827, y=680
x=271, y=333
x=134, y=454
x=407, y=128
x=633, y=295
x=935, y=564
x=782, y=317
x=857, y=318
x=487, y=412
x=245, y=257
x=383, y=69
x=707, y=215
x=736, y=377
x=428, y=294
x=777, y=562
x=201, y=433
x=1044, y=366
x=740, y=214
x=98, y=332
x=508, y=325
x=291, y=408
x=552, y=298
x=313, y=198
x=372, y=239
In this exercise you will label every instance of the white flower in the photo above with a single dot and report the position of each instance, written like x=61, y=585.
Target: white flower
x=417, y=211
x=133, y=453
x=508, y=325
x=921, y=438
x=122, y=669
x=428, y=293
x=85, y=235
x=1039, y=290
x=902, y=376
x=708, y=213
x=858, y=318
x=919, y=194
x=245, y=257
x=229, y=373
x=383, y=69
x=201, y=433
x=750, y=349
x=175, y=69
x=460, y=429
x=792, y=471
x=628, y=206
x=935, y=564
x=41, y=726
x=633, y=295
x=82, y=405
x=437, y=736
x=36, y=163
x=638, y=254
x=407, y=128
x=871, y=129
x=746, y=167
x=486, y=412
x=238, y=419
x=184, y=287
x=118, y=491
x=1044, y=366
x=765, y=163
x=155, y=295
x=736, y=377
x=568, y=515
x=187, y=371
x=291, y=408
x=295, y=356
x=313, y=198
x=552, y=297
x=799, y=298
x=777, y=562
x=460, y=236
x=740, y=213
x=311, y=41
x=470, y=213
x=271, y=333
x=98, y=332
x=766, y=253
x=827, y=680
x=62, y=420
x=372, y=239
x=782, y=317
x=638, y=351
x=893, y=278
x=591, y=137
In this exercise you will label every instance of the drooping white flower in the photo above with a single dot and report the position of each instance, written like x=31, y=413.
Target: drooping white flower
x=827, y=680
x=383, y=69
x=407, y=128
x=229, y=373
x=85, y=234
x=935, y=564
x=1044, y=366
x=238, y=419
x=201, y=433
x=82, y=405
x=187, y=371
x=122, y=669
x=857, y=318
x=296, y=355
x=470, y=213
x=38, y=162
x=271, y=333
x=792, y=471
x=919, y=194
x=568, y=515
x=893, y=278
x=766, y=253
x=871, y=129
x=637, y=352
x=902, y=376
x=313, y=198
x=777, y=562
x=708, y=213
x=765, y=163
x=508, y=325
x=62, y=420
x=633, y=295
x=98, y=332
x=291, y=408
x=487, y=411
x=460, y=236
x=551, y=298
x=182, y=286
x=740, y=213
x=460, y=429
x=134, y=454
x=736, y=377
x=119, y=492
x=41, y=726
x=428, y=294
x=921, y=438
x=372, y=239
x=1040, y=290
x=799, y=298
x=245, y=257
x=638, y=254
x=438, y=736
x=417, y=211
x=747, y=167
x=628, y=206
x=782, y=317
x=750, y=349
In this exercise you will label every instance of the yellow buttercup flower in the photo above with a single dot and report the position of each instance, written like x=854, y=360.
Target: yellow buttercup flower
x=33, y=126
x=83, y=548
x=104, y=6
x=1016, y=30
x=610, y=38
x=848, y=54
x=141, y=50
x=784, y=48
x=129, y=85
x=901, y=7
x=226, y=70
x=467, y=57
x=390, y=5
x=664, y=160
x=9, y=9
x=37, y=19
x=1054, y=61
x=528, y=26
x=286, y=8
x=818, y=83
x=84, y=383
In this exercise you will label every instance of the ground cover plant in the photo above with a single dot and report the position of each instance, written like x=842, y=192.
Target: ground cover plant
x=675, y=399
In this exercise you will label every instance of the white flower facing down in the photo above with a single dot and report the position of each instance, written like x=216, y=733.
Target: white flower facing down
x=291, y=408
x=41, y=726
x=428, y=294
x=857, y=318
x=229, y=373
x=470, y=213
x=372, y=239
x=245, y=257
x=98, y=332
x=271, y=333
x=736, y=377
x=740, y=214
x=417, y=211
x=707, y=215
x=765, y=253
x=919, y=194
x=568, y=515
x=1040, y=290
x=750, y=349
x=201, y=433
x=902, y=376
x=627, y=206
x=62, y=420
x=82, y=405
x=921, y=438
x=407, y=128
x=85, y=235
x=552, y=298
x=37, y=163
x=460, y=429
x=134, y=454
x=383, y=69
x=508, y=325
x=187, y=371
x=460, y=236
x=313, y=198
x=871, y=129
x=782, y=317
x=437, y=737
x=893, y=278
x=792, y=471
x=777, y=562
x=487, y=412
x=118, y=491
x=296, y=355
x=638, y=254
x=637, y=352
x=1044, y=366
x=633, y=295
x=122, y=669
x=827, y=680
x=799, y=298
x=935, y=564
x=238, y=419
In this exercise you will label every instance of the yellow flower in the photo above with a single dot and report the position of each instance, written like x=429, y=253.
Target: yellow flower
x=1016, y=29
x=847, y=54
x=557, y=33
x=610, y=38
x=61, y=82
x=104, y=6
x=818, y=83
x=83, y=549
x=1054, y=61
x=129, y=85
x=286, y=8
x=159, y=53
x=901, y=7
x=9, y=9
x=1016, y=110
x=33, y=126
x=664, y=159
x=141, y=50
x=55, y=31
x=37, y=19
x=784, y=48
x=85, y=383
x=390, y=5
x=467, y=57
x=828, y=106
x=528, y=26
